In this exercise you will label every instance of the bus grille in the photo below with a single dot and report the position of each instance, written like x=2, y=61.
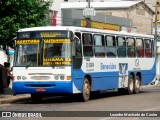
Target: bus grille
x=40, y=78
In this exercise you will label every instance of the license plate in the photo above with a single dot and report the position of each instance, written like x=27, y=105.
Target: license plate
x=40, y=89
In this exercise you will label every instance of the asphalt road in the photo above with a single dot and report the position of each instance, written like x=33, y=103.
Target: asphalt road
x=146, y=102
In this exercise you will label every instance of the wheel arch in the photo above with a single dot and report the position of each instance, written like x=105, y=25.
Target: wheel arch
x=132, y=73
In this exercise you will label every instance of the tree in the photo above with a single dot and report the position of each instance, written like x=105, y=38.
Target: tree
x=16, y=14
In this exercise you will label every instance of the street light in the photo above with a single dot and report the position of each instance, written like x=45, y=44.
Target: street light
x=156, y=13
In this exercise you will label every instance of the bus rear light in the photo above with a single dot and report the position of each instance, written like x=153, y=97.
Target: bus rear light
x=68, y=77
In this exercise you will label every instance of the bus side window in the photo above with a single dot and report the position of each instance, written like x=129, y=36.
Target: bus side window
x=139, y=47
x=131, y=47
x=148, y=48
x=87, y=45
x=99, y=45
x=121, y=43
x=111, y=46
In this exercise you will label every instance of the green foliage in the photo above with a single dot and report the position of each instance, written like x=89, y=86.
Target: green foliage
x=16, y=14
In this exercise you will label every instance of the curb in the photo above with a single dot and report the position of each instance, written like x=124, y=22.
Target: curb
x=12, y=99
x=150, y=86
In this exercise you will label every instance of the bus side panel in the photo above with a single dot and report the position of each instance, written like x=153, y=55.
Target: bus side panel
x=77, y=80
x=148, y=75
x=99, y=81
x=104, y=81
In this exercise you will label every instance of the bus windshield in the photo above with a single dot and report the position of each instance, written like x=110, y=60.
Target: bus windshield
x=43, y=52
x=27, y=52
x=57, y=52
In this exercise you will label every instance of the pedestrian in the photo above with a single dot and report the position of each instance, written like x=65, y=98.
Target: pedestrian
x=7, y=66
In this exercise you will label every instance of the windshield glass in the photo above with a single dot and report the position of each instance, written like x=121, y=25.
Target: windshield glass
x=27, y=52
x=57, y=52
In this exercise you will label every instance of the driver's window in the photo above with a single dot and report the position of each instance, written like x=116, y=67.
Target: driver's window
x=78, y=48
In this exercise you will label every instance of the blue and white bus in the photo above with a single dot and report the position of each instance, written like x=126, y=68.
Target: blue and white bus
x=74, y=60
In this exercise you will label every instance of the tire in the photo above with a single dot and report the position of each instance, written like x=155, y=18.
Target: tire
x=86, y=90
x=36, y=98
x=136, y=85
x=130, y=88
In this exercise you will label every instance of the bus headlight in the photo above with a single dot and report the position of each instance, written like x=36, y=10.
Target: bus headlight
x=18, y=77
x=21, y=78
x=56, y=77
x=62, y=77
x=24, y=78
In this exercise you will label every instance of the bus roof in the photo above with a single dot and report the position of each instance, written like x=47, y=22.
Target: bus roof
x=82, y=29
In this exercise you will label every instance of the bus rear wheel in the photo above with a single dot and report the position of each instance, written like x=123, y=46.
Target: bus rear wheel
x=136, y=85
x=36, y=98
x=130, y=85
x=86, y=90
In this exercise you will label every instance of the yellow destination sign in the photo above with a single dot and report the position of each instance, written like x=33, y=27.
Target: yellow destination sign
x=50, y=34
x=33, y=41
x=57, y=61
x=56, y=41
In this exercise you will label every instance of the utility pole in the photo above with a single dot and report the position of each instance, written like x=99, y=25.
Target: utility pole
x=156, y=7
x=88, y=13
x=88, y=20
x=89, y=4
x=156, y=35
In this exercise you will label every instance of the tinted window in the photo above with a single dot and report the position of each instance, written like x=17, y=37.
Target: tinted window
x=121, y=50
x=87, y=45
x=111, y=46
x=99, y=45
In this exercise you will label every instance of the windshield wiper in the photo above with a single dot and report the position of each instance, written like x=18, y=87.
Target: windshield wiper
x=29, y=64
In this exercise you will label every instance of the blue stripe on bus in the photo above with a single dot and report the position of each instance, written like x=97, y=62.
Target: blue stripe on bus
x=50, y=87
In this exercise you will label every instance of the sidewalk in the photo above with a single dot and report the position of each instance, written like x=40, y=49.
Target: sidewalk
x=8, y=97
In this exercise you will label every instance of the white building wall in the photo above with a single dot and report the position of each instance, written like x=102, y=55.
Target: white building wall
x=3, y=57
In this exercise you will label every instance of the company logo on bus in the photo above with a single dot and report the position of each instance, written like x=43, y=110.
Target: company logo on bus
x=136, y=62
x=110, y=66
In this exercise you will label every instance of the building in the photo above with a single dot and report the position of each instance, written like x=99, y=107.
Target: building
x=140, y=13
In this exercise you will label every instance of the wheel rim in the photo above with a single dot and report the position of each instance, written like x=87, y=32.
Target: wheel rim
x=137, y=84
x=131, y=85
x=87, y=89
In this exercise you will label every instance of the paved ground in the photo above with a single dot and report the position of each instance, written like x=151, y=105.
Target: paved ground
x=8, y=97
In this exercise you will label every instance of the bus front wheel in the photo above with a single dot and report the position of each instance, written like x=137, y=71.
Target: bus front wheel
x=130, y=85
x=86, y=90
